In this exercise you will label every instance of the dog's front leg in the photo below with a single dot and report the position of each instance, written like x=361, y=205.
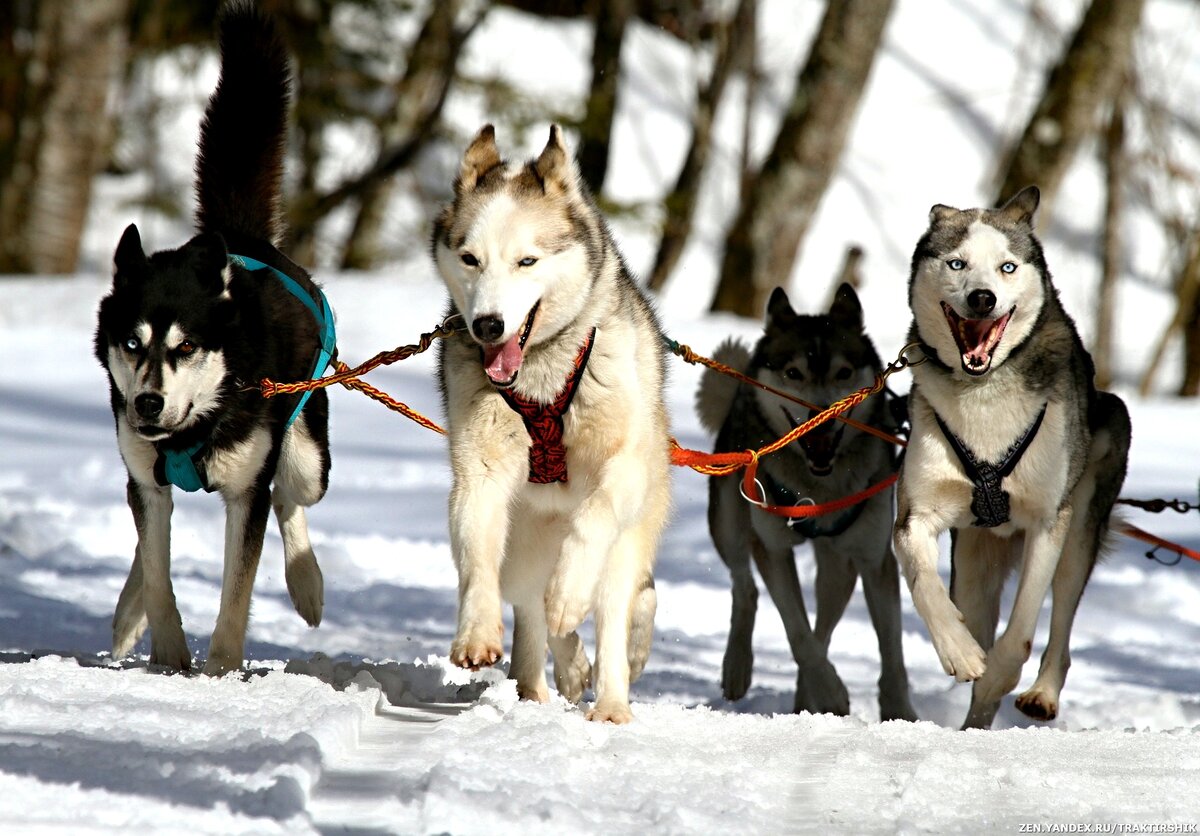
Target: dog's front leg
x=479, y=521
x=915, y=541
x=1043, y=547
x=151, y=507
x=245, y=524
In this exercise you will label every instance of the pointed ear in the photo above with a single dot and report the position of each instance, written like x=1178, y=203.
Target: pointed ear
x=129, y=259
x=209, y=258
x=481, y=157
x=554, y=166
x=846, y=310
x=940, y=212
x=1022, y=205
x=778, y=305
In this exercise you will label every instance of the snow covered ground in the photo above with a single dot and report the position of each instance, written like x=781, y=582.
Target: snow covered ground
x=361, y=726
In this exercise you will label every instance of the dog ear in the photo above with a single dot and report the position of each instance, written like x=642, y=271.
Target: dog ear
x=940, y=212
x=846, y=310
x=1020, y=207
x=129, y=260
x=778, y=305
x=209, y=258
x=555, y=167
x=481, y=157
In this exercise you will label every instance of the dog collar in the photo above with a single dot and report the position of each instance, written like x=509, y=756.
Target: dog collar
x=989, y=502
x=807, y=527
x=185, y=468
x=182, y=468
x=544, y=422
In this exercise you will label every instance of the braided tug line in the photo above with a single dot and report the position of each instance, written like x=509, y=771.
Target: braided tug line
x=709, y=464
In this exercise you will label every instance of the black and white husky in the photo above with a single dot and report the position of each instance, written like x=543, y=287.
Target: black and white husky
x=185, y=335
x=1013, y=449
x=821, y=359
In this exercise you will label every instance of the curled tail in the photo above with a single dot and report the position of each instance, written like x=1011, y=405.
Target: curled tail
x=714, y=399
x=239, y=168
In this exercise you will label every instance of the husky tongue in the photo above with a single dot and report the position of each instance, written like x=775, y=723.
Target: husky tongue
x=501, y=362
x=975, y=333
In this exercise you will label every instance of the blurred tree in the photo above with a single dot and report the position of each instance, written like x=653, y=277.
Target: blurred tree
x=1084, y=81
x=762, y=244
x=1186, y=319
x=58, y=61
x=734, y=38
x=609, y=18
x=1113, y=159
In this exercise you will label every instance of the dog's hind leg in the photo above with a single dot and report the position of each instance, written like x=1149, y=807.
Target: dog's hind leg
x=980, y=562
x=528, y=665
x=641, y=626
x=881, y=588
x=152, y=508
x=729, y=525
x=819, y=689
x=245, y=525
x=300, y=480
x=129, y=620
x=572, y=670
x=836, y=578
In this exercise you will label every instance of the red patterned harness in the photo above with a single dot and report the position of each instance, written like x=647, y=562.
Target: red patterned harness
x=544, y=423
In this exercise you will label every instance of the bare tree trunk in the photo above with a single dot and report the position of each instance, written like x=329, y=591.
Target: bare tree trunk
x=680, y=204
x=1085, y=79
x=416, y=94
x=1187, y=295
x=1114, y=159
x=610, y=18
x=762, y=244
x=59, y=130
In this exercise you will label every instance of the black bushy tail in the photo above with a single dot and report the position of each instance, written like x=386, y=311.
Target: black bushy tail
x=239, y=168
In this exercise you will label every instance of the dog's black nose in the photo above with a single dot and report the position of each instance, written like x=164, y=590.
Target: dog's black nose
x=148, y=405
x=981, y=302
x=488, y=328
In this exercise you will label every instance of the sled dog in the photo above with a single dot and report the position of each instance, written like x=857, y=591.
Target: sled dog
x=186, y=334
x=558, y=432
x=819, y=359
x=1013, y=449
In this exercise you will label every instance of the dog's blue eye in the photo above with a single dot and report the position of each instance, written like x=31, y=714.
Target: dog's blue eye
x=527, y=261
x=133, y=344
x=956, y=263
x=470, y=260
x=1008, y=267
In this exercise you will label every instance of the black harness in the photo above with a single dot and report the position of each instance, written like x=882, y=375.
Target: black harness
x=990, y=503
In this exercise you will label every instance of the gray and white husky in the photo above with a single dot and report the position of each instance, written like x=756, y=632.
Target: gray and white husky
x=558, y=432
x=1013, y=449
x=820, y=359
x=185, y=335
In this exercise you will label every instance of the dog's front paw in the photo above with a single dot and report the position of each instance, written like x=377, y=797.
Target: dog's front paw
x=219, y=664
x=960, y=655
x=736, y=672
x=306, y=586
x=819, y=690
x=478, y=647
x=566, y=606
x=168, y=648
x=611, y=712
x=1038, y=705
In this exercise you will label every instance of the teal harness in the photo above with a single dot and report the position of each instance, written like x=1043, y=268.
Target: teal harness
x=185, y=468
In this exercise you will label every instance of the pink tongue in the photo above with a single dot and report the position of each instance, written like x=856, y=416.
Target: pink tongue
x=501, y=362
x=976, y=331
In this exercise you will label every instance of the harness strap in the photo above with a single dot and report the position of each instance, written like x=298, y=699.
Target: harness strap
x=185, y=468
x=544, y=422
x=808, y=527
x=989, y=502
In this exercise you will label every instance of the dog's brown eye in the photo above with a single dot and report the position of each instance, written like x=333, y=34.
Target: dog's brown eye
x=469, y=260
x=844, y=373
x=793, y=374
x=185, y=348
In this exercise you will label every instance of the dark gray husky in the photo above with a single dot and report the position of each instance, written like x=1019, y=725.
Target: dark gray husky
x=820, y=359
x=186, y=334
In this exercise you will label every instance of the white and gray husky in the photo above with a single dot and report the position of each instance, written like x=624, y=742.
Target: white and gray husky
x=558, y=432
x=186, y=334
x=820, y=359
x=1013, y=449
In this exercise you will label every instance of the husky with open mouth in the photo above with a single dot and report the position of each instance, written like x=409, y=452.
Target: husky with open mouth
x=1013, y=450
x=821, y=359
x=558, y=431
